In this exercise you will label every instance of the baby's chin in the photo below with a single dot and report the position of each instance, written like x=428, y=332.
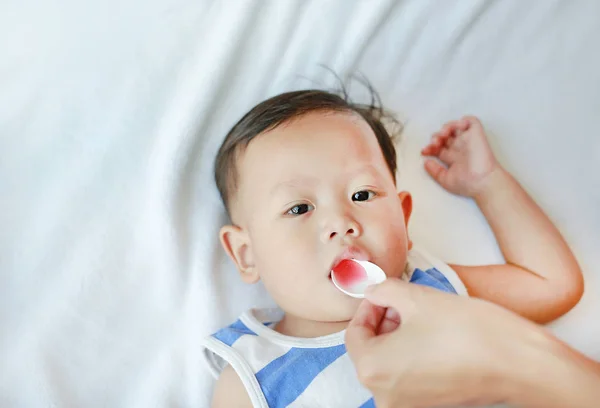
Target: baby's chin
x=334, y=311
x=343, y=310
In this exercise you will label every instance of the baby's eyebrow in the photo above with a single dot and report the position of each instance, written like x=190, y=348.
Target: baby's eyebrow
x=312, y=182
x=367, y=169
x=295, y=184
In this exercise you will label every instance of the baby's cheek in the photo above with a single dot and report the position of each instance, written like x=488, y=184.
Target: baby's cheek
x=396, y=252
x=393, y=231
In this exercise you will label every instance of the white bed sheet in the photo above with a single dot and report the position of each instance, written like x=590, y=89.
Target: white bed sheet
x=111, y=113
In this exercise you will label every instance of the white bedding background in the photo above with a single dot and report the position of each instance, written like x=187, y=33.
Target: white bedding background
x=111, y=113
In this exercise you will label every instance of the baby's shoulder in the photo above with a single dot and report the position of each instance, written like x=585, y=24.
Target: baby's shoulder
x=230, y=391
x=426, y=269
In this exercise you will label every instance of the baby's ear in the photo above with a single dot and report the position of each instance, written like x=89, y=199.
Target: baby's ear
x=406, y=203
x=236, y=243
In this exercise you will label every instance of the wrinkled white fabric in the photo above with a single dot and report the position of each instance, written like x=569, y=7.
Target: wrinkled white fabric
x=110, y=116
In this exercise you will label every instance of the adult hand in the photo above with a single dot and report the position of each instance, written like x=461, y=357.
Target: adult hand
x=413, y=346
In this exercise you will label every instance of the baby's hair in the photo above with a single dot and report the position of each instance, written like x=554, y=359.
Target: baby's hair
x=286, y=107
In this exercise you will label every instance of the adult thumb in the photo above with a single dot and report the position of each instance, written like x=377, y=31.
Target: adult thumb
x=395, y=294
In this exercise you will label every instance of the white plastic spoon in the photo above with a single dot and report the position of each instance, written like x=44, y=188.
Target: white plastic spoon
x=352, y=276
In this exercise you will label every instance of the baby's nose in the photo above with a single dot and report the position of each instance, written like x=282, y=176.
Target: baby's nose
x=340, y=228
x=349, y=231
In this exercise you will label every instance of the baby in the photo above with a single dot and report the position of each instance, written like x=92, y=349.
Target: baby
x=308, y=179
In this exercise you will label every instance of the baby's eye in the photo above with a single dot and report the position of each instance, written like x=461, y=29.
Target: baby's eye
x=363, y=195
x=299, y=209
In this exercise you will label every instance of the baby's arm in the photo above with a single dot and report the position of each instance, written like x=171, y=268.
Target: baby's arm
x=230, y=391
x=541, y=279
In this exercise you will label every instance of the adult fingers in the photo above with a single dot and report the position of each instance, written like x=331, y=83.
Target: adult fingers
x=396, y=294
x=363, y=327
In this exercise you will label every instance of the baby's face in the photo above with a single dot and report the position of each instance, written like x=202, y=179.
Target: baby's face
x=310, y=193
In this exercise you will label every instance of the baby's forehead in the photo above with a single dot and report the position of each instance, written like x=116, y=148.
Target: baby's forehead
x=317, y=142
x=315, y=132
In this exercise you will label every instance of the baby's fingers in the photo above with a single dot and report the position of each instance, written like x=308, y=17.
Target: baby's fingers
x=450, y=128
x=471, y=120
x=434, y=146
x=438, y=172
x=430, y=150
x=445, y=136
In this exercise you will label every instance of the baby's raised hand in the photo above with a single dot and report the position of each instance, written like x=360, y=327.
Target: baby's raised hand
x=461, y=145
